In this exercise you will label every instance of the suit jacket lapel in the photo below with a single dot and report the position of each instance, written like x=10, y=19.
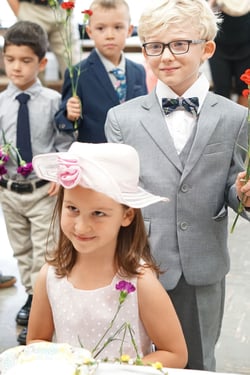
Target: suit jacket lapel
x=130, y=80
x=102, y=76
x=207, y=122
x=161, y=138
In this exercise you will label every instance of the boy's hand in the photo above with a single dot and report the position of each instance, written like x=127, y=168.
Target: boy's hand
x=243, y=187
x=73, y=108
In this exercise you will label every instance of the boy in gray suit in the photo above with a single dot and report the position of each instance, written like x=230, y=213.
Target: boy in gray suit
x=189, y=151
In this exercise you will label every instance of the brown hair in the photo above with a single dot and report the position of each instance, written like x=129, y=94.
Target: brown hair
x=26, y=33
x=109, y=4
x=132, y=247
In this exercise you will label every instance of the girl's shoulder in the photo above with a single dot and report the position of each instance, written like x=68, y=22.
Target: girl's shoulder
x=148, y=282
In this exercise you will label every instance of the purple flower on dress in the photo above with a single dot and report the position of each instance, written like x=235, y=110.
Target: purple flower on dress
x=125, y=288
x=25, y=169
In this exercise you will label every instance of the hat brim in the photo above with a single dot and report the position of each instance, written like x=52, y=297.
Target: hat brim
x=47, y=167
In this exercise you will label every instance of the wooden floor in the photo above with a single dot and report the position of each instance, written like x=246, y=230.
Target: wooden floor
x=233, y=349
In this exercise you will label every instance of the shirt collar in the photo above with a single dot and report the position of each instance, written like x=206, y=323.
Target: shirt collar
x=109, y=65
x=13, y=90
x=199, y=88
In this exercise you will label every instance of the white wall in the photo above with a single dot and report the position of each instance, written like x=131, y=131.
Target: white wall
x=7, y=17
x=136, y=6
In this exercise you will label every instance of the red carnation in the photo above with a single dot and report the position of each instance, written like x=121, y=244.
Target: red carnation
x=68, y=5
x=88, y=12
x=245, y=93
x=245, y=77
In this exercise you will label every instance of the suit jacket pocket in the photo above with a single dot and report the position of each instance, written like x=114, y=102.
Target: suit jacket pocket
x=222, y=214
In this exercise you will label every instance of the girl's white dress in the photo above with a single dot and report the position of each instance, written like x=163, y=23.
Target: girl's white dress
x=81, y=317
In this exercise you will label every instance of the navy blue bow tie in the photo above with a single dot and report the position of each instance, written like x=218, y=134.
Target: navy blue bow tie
x=189, y=104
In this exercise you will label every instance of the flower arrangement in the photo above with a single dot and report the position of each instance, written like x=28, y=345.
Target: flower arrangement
x=65, y=18
x=9, y=151
x=245, y=77
x=125, y=288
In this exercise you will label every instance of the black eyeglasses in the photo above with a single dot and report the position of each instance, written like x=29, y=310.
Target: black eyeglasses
x=178, y=47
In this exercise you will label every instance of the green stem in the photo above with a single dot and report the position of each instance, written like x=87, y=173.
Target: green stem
x=106, y=332
x=110, y=339
x=123, y=339
x=138, y=358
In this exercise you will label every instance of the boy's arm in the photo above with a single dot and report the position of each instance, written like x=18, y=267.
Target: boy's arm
x=14, y=5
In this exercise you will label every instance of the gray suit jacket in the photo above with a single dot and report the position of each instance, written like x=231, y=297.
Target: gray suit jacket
x=188, y=234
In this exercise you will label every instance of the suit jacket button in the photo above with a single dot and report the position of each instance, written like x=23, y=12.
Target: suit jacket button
x=184, y=188
x=184, y=225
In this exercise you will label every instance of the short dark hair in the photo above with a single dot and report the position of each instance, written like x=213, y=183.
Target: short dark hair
x=26, y=33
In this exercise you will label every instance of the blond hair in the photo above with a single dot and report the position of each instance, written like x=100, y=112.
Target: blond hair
x=164, y=13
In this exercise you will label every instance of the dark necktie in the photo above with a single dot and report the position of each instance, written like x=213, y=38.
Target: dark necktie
x=189, y=104
x=23, y=142
x=121, y=89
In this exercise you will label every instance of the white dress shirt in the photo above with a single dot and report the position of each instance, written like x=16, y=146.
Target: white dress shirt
x=181, y=123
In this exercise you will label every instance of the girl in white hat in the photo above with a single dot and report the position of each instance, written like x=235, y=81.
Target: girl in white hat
x=99, y=287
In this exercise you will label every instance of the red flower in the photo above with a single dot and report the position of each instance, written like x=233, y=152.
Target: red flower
x=88, y=12
x=245, y=77
x=245, y=93
x=68, y=5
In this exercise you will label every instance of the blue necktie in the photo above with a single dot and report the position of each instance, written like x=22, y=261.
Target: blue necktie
x=121, y=89
x=23, y=142
x=189, y=104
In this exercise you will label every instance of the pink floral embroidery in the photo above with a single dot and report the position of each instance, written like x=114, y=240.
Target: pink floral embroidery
x=69, y=172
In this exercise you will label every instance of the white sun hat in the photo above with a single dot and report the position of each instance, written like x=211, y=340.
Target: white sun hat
x=108, y=168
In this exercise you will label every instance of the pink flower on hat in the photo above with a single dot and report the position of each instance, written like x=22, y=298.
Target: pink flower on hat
x=68, y=172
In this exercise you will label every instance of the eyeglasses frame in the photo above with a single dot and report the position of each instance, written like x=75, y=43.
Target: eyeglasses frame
x=164, y=45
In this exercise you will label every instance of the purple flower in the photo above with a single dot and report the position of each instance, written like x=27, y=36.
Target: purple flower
x=4, y=157
x=3, y=170
x=125, y=288
x=25, y=169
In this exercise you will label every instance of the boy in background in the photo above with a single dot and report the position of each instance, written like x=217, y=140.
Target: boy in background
x=98, y=88
x=189, y=150
x=40, y=12
x=27, y=202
